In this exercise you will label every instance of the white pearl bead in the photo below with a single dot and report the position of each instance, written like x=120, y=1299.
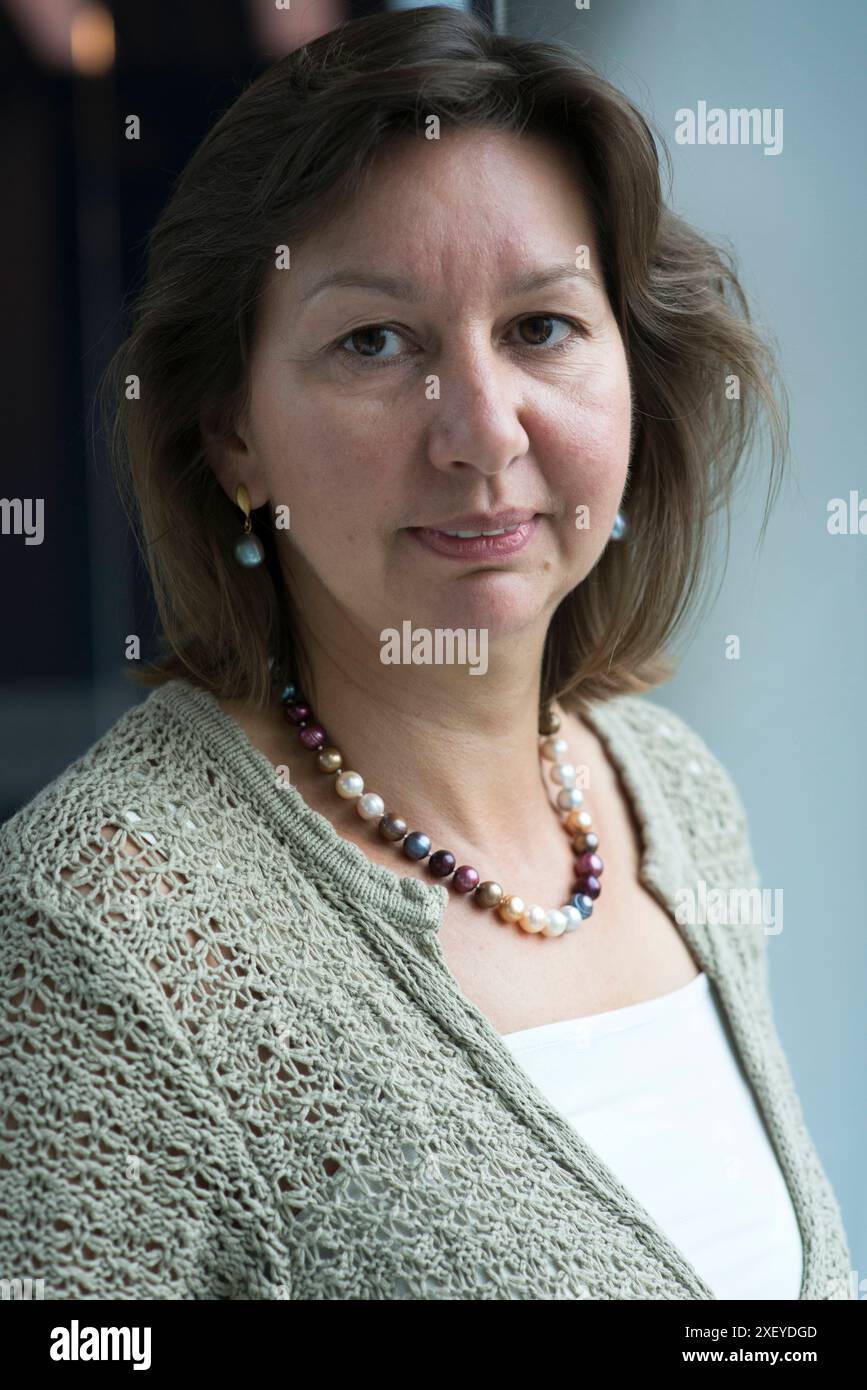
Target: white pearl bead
x=370, y=806
x=555, y=922
x=573, y=917
x=570, y=798
x=533, y=919
x=555, y=749
x=564, y=773
x=349, y=785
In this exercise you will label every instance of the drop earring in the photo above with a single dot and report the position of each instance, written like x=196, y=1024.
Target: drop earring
x=249, y=550
x=620, y=527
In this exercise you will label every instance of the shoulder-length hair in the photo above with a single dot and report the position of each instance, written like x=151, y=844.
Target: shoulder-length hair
x=298, y=142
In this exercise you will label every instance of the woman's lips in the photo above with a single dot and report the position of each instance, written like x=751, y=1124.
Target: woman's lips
x=476, y=547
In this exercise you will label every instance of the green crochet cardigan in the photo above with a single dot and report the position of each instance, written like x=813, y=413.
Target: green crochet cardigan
x=236, y=1066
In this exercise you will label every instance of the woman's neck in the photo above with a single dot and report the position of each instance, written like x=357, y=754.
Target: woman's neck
x=446, y=750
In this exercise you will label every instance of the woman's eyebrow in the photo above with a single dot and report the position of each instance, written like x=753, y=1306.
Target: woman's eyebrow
x=398, y=288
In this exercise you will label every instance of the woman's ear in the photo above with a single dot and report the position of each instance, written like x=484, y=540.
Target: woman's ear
x=229, y=455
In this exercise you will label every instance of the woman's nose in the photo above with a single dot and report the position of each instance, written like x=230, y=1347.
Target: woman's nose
x=476, y=402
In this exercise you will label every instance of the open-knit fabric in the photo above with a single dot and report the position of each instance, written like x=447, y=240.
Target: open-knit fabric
x=235, y=1064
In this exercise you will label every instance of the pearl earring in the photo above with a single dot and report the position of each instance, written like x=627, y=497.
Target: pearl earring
x=249, y=550
x=620, y=527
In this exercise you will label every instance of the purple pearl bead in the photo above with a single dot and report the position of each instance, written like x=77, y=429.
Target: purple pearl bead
x=589, y=885
x=465, y=879
x=589, y=864
x=312, y=736
x=441, y=863
x=297, y=714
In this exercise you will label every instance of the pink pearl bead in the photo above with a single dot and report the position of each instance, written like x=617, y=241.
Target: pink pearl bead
x=590, y=885
x=312, y=736
x=465, y=879
x=589, y=864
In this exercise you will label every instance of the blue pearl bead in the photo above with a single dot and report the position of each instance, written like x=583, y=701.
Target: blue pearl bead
x=249, y=551
x=583, y=904
x=416, y=845
x=618, y=530
x=288, y=692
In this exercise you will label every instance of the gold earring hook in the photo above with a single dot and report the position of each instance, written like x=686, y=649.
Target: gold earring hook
x=242, y=498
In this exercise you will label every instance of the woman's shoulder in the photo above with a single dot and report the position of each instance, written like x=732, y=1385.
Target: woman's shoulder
x=131, y=765
x=138, y=812
x=146, y=838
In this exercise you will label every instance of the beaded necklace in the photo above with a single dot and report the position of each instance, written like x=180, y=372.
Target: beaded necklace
x=441, y=864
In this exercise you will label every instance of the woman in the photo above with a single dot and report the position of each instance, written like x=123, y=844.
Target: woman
x=339, y=1010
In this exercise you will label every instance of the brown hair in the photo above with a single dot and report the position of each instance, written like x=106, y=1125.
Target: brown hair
x=301, y=137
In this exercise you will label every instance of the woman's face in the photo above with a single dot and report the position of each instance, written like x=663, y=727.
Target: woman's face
x=451, y=389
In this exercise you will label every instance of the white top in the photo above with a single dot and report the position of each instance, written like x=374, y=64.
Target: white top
x=657, y=1091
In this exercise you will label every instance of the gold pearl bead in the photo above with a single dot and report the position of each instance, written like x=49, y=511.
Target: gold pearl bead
x=512, y=908
x=549, y=722
x=580, y=843
x=329, y=759
x=488, y=894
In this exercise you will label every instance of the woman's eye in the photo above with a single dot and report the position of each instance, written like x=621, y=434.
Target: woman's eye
x=368, y=340
x=374, y=333
x=540, y=332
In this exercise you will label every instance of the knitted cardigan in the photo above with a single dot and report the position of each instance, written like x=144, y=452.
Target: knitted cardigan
x=236, y=1065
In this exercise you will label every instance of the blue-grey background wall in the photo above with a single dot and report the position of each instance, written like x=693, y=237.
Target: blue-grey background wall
x=788, y=717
